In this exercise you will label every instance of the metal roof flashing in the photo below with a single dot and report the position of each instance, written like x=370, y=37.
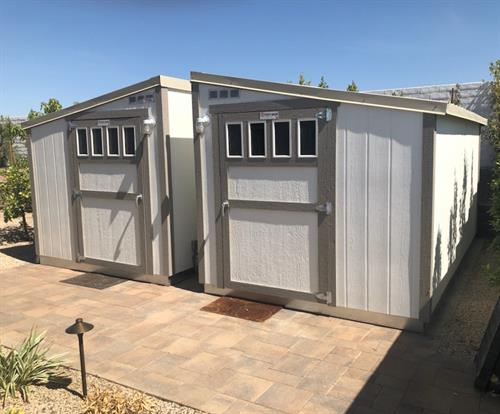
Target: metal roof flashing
x=163, y=81
x=356, y=98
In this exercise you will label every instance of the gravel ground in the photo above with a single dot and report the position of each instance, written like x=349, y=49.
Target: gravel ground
x=65, y=398
x=465, y=309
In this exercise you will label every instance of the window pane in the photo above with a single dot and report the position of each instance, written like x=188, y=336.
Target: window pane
x=307, y=138
x=282, y=138
x=82, y=142
x=257, y=140
x=113, y=141
x=128, y=141
x=97, y=141
x=234, y=141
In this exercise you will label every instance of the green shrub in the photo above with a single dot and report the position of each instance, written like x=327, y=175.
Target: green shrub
x=15, y=192
x=27, y=365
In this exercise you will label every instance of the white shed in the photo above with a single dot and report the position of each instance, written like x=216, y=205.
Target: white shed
x=113, y=182
x=347, y=204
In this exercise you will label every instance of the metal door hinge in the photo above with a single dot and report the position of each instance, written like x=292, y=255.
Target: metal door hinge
x=325, y=297
x=325, y=208
x=76, y=194
x=138, y=199
x=80, y=258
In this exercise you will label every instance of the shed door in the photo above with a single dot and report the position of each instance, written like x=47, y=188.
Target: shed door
x=108, y=193
x=276, y=201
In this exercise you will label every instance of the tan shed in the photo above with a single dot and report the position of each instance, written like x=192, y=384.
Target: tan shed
x=341, y=203
x=113, y=182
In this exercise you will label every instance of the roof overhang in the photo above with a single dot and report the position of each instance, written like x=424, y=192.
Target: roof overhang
x=163, y=81
x=357, y=98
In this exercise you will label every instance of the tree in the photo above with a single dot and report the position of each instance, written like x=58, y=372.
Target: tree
x=15, y=193
x=52, y=105
x=352, y=87
x=9, y=132
x=322, y=83
x=493, y=135
x=302, y=80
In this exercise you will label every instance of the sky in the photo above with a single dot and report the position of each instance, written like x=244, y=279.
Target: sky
x=77, y=50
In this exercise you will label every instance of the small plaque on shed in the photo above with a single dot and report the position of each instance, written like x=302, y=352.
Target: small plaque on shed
x=269, y=115
x=488, y=357
x=103, y=122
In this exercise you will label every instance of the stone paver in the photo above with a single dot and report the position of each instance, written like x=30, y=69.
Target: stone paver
x=156, y=339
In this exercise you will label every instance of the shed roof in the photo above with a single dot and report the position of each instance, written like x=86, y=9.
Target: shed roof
x=358, y=98
x=163, y=81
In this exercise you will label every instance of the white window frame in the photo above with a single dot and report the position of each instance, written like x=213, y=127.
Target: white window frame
x=242, y=140
x=250, y=123
x=299, y=155
x=92, y=142
x=78, y=153
x=289, y=138
x=125, y=154
x=107, y=141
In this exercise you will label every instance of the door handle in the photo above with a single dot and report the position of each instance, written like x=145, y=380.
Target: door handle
x=224, y=206
x=138, y=199
x=325, y=208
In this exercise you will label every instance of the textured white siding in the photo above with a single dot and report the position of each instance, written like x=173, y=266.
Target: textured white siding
x=111, y=230
x=49, y=149
x=378, y=191
x=207, y=179
x=107, y=176
x=182, y=174
x=274, y=248
x=456, y=164
x=290, y=184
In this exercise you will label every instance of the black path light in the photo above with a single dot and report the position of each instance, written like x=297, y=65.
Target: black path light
x=79, y=328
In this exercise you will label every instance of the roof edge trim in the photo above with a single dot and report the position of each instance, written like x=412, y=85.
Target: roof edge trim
x=357, y=98
x=163, y=81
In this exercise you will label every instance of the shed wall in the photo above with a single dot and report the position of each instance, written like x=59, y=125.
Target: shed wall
x=378, y=191
x=182, y=172
x=456, y=165
x=49, y=151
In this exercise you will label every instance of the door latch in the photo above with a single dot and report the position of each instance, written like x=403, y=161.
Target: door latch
x=325, y=208
x=224, y=207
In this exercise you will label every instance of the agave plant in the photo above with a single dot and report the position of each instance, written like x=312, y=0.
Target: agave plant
x=27, y=365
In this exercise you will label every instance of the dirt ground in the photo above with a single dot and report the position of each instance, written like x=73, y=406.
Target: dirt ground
x=463, y=314
x=15, y=248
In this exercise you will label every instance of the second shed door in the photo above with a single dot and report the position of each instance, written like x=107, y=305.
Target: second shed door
x=276, y=201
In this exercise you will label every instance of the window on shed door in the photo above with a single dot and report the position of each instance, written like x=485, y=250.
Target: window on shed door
x=282, y=139
x=128, y=141
x=257, y=139
x=307, y=138
x=97, y=148
x=234, y=140
x=82, y=148
x=113, y=146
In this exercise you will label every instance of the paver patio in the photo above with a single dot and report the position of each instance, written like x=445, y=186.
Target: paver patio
x=156, y=339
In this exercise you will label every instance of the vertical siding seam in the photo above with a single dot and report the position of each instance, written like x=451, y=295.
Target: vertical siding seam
x=49, y=251
x=389, y=218
x=56, y=198
x=345, y=219
x=367, y=153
